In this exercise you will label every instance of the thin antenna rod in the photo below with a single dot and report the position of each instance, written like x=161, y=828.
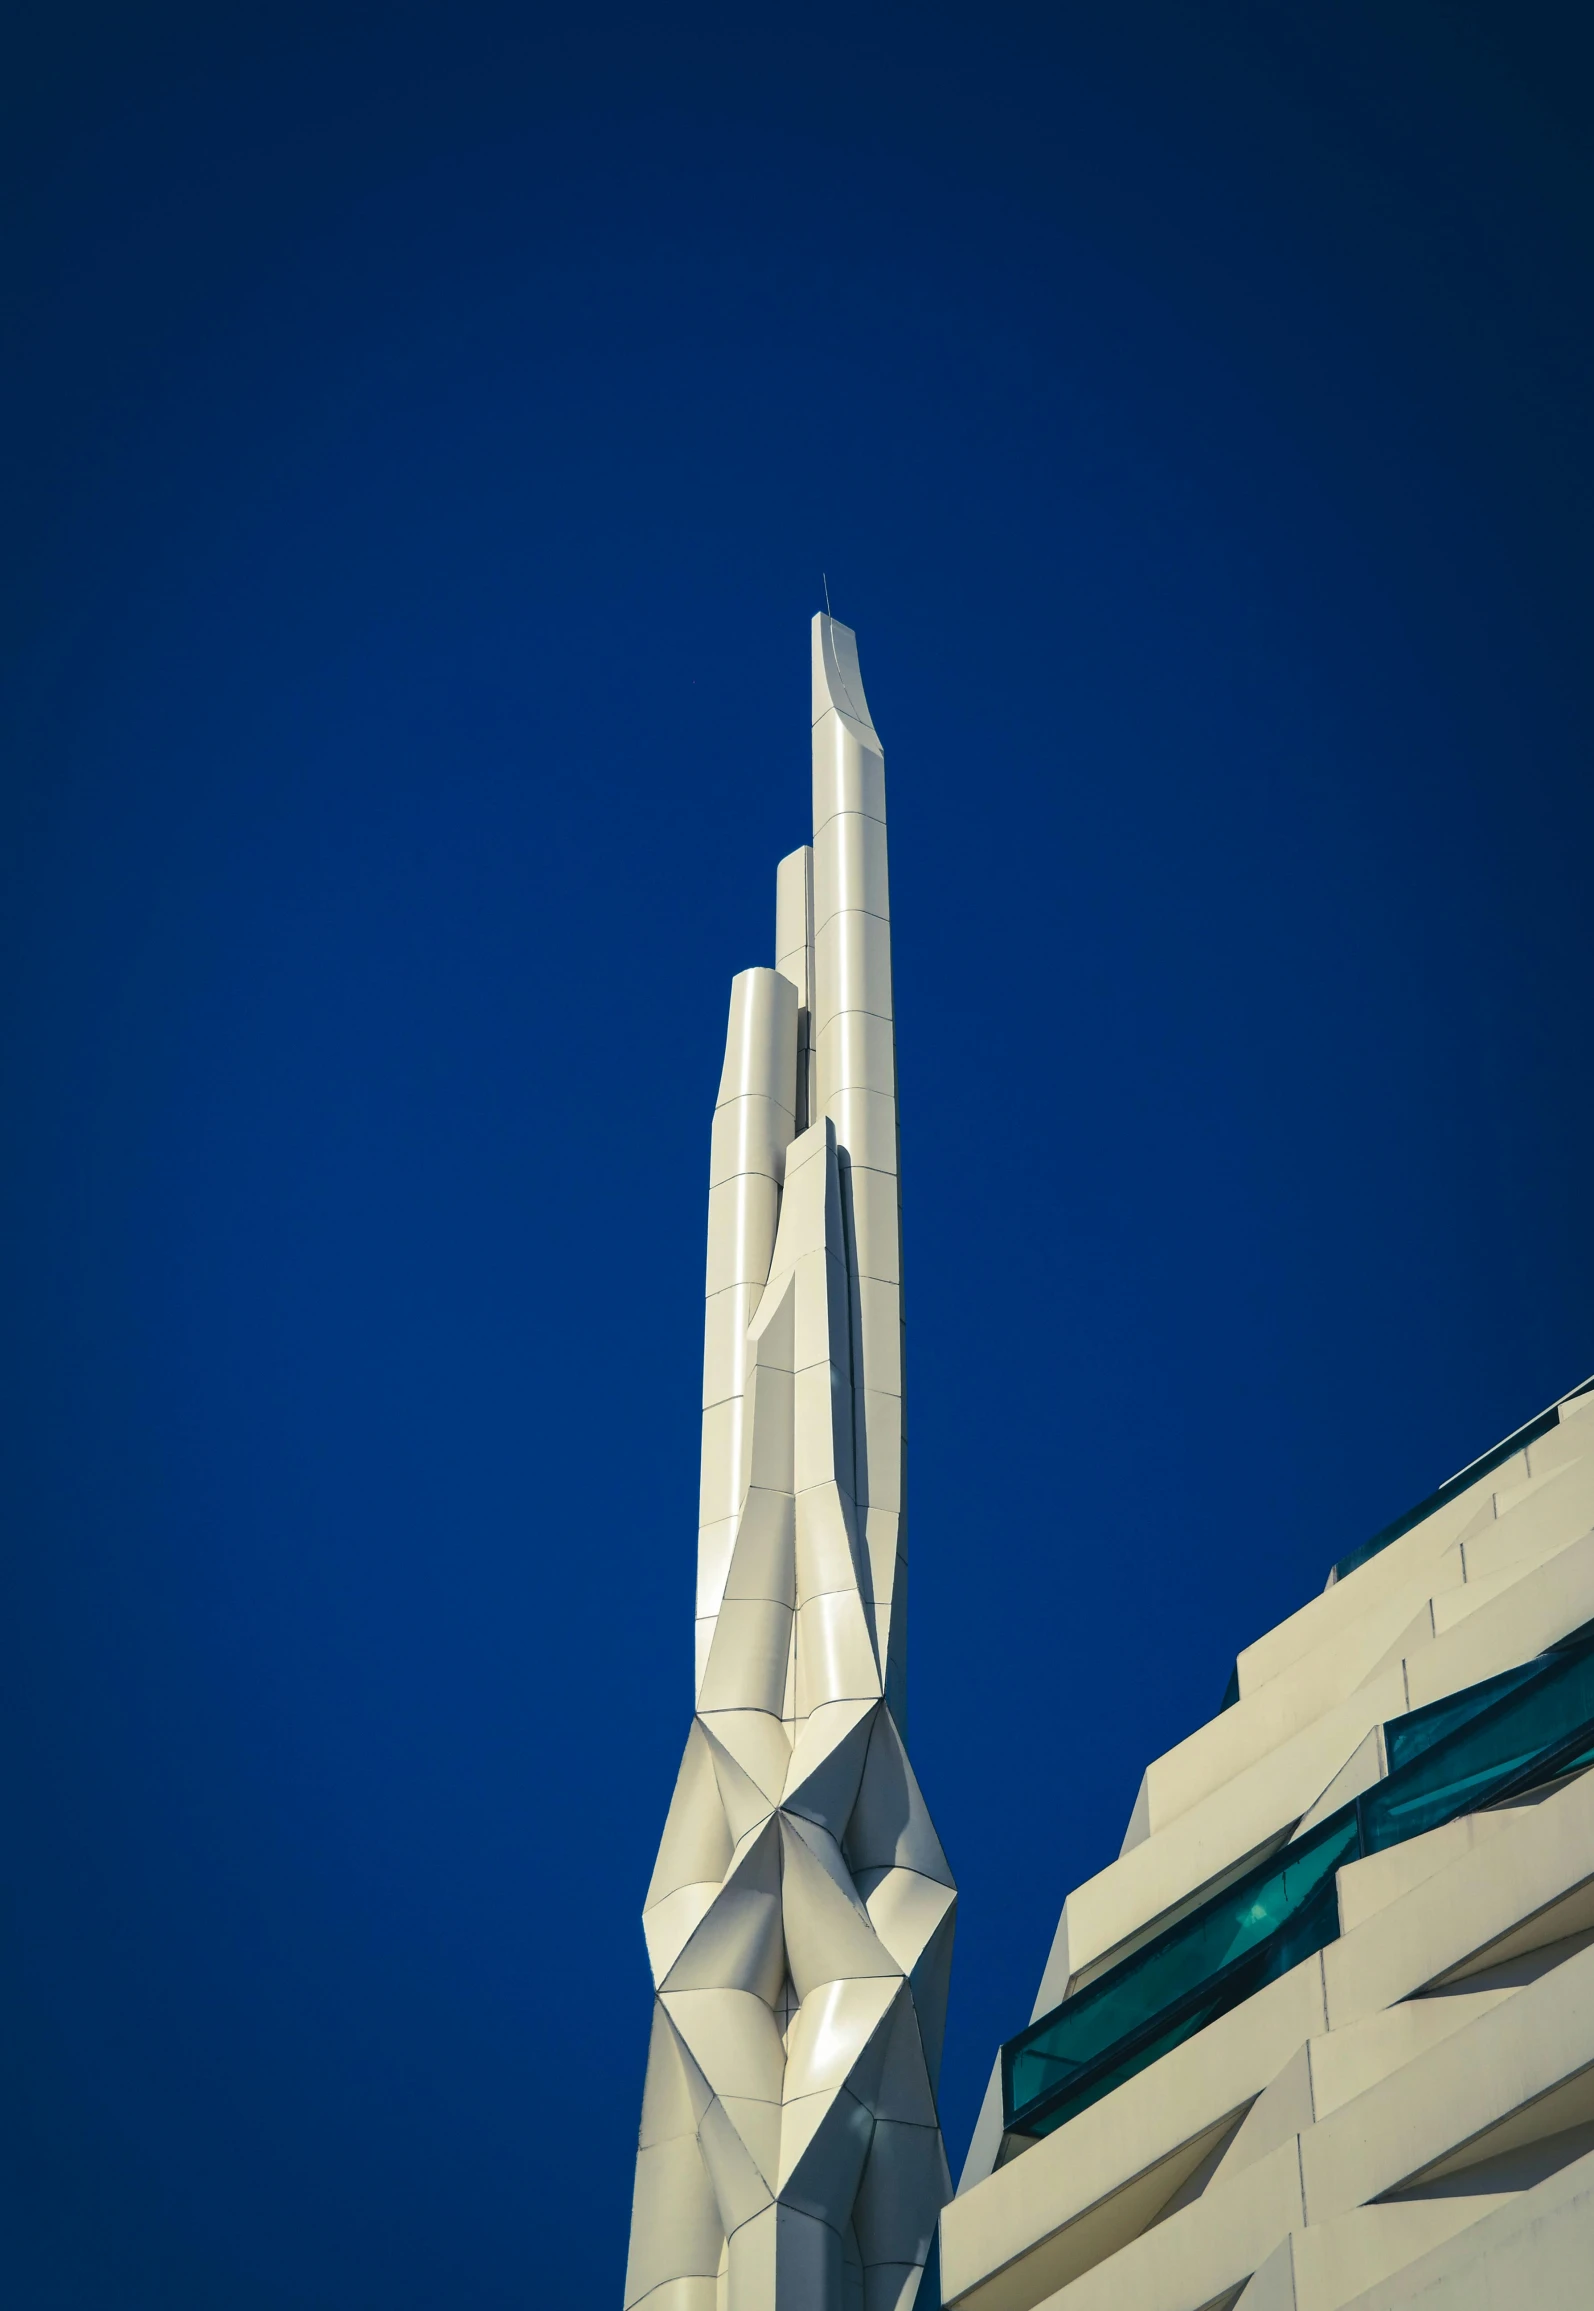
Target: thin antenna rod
x=825, y=582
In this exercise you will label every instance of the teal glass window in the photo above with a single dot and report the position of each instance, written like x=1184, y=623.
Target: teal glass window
x=1256, y=1929
x=1500, y=1738
x=1408, y=1737
x=1528, y=1733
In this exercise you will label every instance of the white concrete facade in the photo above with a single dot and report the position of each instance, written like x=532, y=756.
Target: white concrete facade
x=1403, y=2115
x=799, y=1921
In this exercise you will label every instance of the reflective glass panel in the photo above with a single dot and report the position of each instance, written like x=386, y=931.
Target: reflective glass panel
x=1407, y=1737
x=1507, y=1734
x=1533, y=1730
x=1270, y=1919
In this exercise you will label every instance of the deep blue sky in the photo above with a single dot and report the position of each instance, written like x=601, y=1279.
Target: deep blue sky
x=425, y=428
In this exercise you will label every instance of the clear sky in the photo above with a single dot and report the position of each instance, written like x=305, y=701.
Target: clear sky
x=425, y=427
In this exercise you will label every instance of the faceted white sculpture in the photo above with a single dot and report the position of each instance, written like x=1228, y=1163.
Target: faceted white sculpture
x=799, y=1921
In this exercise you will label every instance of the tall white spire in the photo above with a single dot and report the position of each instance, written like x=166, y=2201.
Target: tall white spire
x=856, y=1086
x=799, y=1921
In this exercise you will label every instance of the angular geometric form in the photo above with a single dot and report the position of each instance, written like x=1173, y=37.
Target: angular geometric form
x=799, y=1921
x=1322, y=2037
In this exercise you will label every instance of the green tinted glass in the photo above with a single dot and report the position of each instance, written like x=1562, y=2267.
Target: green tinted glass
x=1509, y=1733
x=1530, y=1731
x=1421, y=1729
x=1270, y=1919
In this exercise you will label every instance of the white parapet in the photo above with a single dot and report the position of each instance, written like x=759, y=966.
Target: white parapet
x=799, y=1920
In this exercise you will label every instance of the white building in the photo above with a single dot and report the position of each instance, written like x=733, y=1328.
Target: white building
x=799, y=1922
x=1322, y=2037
